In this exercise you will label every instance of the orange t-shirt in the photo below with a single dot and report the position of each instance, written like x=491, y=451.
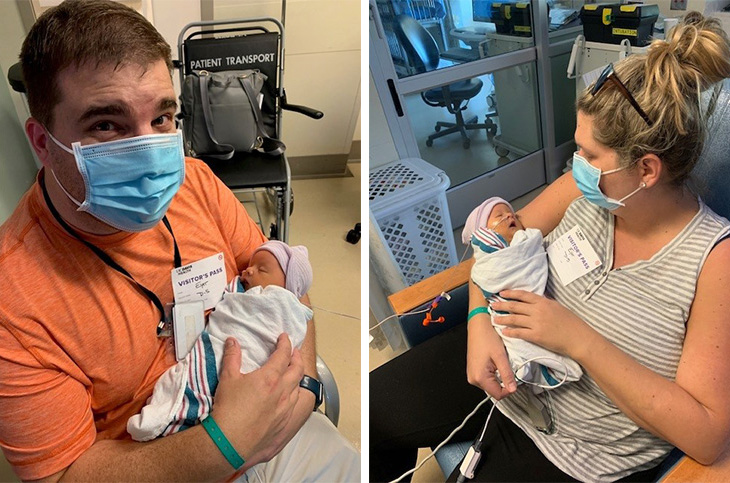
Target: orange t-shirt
x=79, y=352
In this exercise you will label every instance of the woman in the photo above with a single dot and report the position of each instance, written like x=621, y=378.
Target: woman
x=649, y=325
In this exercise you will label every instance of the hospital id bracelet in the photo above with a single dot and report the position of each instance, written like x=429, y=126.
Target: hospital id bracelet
x=222, y=442
x=477, y=310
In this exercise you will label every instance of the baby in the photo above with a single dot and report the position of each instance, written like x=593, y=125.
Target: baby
x=509, y=257
x=256, y=307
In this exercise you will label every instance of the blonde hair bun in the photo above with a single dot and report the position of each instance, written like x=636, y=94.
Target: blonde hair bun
x=696, y=53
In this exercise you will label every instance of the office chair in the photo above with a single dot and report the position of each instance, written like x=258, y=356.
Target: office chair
x=254, y=43
x=424, y=55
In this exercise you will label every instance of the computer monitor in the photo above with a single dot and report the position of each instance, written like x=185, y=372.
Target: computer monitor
x=481, y=10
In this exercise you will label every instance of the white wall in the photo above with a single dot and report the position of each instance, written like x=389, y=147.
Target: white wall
x=322, y=68
x=357, y=135
x=382, y=146
x=705, y=6
x=17, y=165
x=169, y=18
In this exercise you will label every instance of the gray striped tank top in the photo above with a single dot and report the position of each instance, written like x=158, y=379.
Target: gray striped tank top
x=641, y=308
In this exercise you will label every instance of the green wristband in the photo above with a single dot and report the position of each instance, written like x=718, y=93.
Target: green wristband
x=477, y=310
x=222, y=442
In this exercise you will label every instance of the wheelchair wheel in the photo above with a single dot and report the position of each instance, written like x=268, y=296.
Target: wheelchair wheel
x=273, y=232
x=501, y=152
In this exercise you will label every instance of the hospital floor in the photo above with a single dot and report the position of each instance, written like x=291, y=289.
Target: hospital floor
x=431, y=471
x=325, y=209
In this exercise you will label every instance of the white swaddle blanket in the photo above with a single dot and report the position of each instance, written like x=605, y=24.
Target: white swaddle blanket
x=184, y=393
x=522, y=265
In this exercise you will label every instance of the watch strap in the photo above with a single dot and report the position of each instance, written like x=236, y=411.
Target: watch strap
x=220, y=440
x=315, y=386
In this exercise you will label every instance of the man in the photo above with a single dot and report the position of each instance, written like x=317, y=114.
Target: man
x=87, y=258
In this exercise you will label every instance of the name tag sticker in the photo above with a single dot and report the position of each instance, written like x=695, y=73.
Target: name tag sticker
x=202, y=280
x=572, y=256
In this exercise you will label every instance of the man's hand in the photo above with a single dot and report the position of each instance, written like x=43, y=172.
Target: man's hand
x=253, y=410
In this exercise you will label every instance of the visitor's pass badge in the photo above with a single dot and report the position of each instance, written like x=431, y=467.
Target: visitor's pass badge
x=572, y=256
x=202, y=280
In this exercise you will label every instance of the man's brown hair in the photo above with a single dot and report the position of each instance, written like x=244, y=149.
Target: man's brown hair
x=77, y=32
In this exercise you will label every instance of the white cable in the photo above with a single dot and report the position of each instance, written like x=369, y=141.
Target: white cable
x=443, y=294
x=463, y=423
x=399, y=315
x=333, y=312
x=563, y=381
x=484, y=431
x=466, y=250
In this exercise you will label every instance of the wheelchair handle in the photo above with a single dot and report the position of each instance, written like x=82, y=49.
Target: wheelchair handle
x=307, y=111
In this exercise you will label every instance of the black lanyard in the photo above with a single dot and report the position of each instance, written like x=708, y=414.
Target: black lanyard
x=109, y=261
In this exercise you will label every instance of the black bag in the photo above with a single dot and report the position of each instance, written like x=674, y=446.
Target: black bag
x=221, y=114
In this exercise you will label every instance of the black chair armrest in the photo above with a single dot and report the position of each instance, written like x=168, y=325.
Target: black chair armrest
x=307, y=111
x=15, y=78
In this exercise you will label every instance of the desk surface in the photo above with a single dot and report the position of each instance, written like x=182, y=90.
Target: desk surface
x=688, y=470
x=426, y=290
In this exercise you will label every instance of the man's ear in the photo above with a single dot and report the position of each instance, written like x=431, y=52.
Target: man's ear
x=651, y=168
x=38, y=139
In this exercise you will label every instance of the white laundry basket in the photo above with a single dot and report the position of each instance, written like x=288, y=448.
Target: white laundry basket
x=408, y=200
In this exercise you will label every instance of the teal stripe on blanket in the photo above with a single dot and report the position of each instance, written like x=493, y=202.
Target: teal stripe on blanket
x=483, y=246
x=548, y=377
x=211, y=371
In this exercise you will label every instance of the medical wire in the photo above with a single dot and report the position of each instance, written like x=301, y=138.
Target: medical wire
x=448, y=438
x=423, y=311
x=332, y=312
x=474, y=455
x=534, y=359
x=463, y=477
x=398, y=315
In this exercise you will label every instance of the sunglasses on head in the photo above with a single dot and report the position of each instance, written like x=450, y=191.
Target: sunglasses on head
x=609, y=74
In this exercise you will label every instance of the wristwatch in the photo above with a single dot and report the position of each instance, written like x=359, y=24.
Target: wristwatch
x=316, y=387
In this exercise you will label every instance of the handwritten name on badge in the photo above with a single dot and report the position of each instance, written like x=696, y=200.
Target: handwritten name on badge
x=202, y=280
x=572, y=256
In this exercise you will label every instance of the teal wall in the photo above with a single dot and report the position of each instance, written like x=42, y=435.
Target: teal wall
x=17, y=167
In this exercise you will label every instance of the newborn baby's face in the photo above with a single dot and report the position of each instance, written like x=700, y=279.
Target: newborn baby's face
x=504, y=222
x=263, y=270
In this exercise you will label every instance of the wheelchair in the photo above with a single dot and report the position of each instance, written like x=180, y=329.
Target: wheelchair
x=252, y=43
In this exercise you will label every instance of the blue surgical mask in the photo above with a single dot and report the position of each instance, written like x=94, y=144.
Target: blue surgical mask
x=587, y=178
x=129, y=182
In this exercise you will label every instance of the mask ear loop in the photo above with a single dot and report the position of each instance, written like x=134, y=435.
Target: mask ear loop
x=76, y=202
x=69, y=151
x=641, y=187
x=59, y=143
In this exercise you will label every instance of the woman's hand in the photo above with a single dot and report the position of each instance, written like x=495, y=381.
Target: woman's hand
x=542, y=321
x=485, y=355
